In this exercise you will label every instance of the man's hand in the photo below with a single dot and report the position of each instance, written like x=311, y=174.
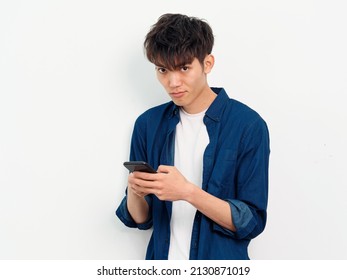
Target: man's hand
x=168, y=184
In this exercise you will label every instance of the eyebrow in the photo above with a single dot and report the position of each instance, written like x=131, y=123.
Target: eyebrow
x=174, y=67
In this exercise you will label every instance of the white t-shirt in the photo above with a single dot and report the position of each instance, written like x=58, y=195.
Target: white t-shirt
x=191, y=139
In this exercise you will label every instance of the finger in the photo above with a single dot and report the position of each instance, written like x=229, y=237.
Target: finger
x=139, y=189
x=164, y=168
x=140, y=194
x=130, y=178
x=144, y=175
x=136, y=190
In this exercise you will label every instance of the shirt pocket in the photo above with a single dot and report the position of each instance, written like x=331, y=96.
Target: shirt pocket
x=223, y=175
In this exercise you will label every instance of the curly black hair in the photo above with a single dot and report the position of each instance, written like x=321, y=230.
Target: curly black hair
x=176, y=39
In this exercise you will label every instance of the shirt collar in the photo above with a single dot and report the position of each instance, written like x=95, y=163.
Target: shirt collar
x=215, y=110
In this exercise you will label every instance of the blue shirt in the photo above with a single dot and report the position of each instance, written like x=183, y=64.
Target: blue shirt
x=235, y=169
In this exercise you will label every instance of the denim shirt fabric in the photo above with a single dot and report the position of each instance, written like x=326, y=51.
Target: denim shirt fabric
x=235, y=169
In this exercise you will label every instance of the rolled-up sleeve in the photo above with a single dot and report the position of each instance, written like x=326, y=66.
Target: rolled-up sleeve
x=243, y=219
x=124, y=215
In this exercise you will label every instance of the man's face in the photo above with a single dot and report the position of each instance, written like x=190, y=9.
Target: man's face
x=187, y=84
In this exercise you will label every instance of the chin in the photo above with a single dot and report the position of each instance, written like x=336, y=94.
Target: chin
x=178, y=102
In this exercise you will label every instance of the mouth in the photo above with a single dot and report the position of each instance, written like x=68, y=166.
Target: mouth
x=177, y=94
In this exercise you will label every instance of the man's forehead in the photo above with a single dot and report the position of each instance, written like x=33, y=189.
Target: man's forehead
x=175, y=63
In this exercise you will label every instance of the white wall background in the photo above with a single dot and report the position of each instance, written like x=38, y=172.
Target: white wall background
x=73, y=78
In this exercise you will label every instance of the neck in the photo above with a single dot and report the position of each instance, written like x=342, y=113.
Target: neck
x=202, y=103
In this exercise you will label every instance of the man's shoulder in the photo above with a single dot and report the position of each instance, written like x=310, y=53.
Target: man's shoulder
x=241, y=109
x=228, y=108
x=241, y=115
x=157, y=112
x=160, y=108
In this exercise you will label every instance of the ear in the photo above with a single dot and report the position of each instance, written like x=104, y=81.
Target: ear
x=208, y=63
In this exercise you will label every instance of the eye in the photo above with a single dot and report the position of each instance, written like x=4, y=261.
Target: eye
x=184, y=68
x=161, y=70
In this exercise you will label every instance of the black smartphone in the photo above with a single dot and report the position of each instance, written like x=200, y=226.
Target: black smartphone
x=141, y=166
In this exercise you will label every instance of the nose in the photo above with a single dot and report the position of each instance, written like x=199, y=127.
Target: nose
x=174, y=79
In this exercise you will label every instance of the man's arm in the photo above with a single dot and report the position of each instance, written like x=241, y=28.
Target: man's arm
x=213, y=207
x=169, y=184
x=136, y=203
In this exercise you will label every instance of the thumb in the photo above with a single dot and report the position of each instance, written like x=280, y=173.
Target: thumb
x=164, y=168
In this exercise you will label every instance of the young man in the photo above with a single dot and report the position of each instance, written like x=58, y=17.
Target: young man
x=208, y=198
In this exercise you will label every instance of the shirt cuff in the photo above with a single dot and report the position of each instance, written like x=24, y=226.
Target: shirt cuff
x=242, y=218
x=124, y=215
